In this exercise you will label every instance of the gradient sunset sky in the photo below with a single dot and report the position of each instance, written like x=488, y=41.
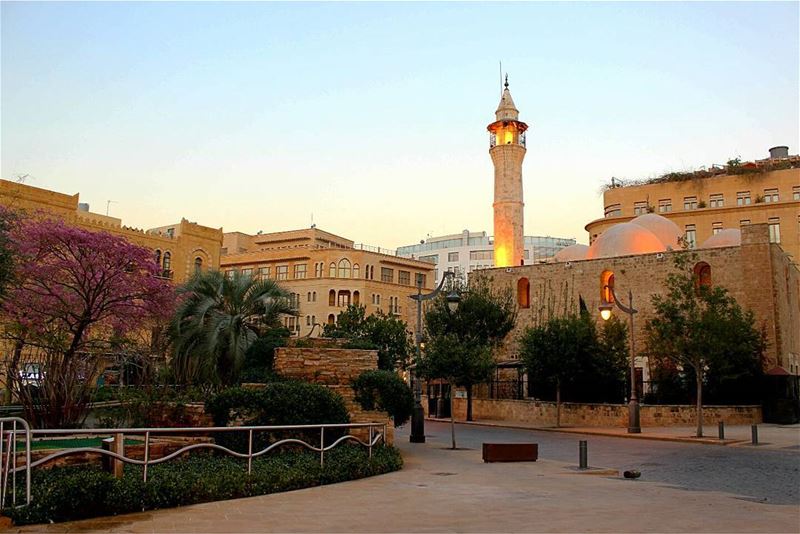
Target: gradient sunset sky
x=372, y=116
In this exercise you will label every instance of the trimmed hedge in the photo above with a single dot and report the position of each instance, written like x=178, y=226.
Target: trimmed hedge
x=69, y=493
x=384, y=391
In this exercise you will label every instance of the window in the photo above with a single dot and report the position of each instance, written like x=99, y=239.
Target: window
x=332, y=270
x=613, y=210
x=158, y=257
x=318, y=267
x=230, y=273
x=639, y=208
x=523, y=293
x=300, y=270
x=356, y=271
x=387, y=275
x=313, y=296
x=422, y=279
x=394, y=306
x=331, y=319
x=433, y=258
x=665, y=205
x=716, y=200
x=344, y=268
x=476, y=255
x=308, y=320
x=796, y=192
x=356, y=298
x=281, y=272
x=702, y=275
x=247, y=272
x=452, y=256
x=198, y=265
x=716, y=228
x=263, y=273
x=774, y=230
x=770, y=195
x=308, y=297
x=167, y=263
x=690, y=203
x=376, y=299
x=691, y=236
x=404, y=277
x=743, y=198
x=607, y=287
x=331, y=298
x=343, y=300
x=744, y=222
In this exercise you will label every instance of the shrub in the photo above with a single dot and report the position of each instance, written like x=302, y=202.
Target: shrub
x=279, y=403
x=68, y=493
x=386, y=391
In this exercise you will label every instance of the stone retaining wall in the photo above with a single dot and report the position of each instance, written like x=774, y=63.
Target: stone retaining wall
x=599, y=415
x=327, y=366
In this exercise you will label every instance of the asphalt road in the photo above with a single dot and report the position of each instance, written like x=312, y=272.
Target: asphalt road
x=769, y=476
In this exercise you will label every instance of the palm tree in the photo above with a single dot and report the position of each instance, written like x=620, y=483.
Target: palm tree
x=217, y=319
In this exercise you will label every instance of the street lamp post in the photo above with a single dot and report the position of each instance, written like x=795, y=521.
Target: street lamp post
x=418, y=414
x=634, y=426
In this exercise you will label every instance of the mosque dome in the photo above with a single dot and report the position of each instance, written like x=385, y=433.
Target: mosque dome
x=664, y=229
x=572, y=253
x=729, y=237
x=624, y=239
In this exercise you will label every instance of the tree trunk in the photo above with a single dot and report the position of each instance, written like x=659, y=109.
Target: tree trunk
x=12, y=371
x=452, y=420
x=699, y=378
x=469, y=402
x=558, y=403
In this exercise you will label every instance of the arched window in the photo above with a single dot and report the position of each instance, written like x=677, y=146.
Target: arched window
x=523, y=293
x=158, y=257
x=356, y=271
x=331, y=298
x=344, y=299
x=313, y=296
x=308, y=297
x=702, y=275
x=198, y=265
x=356, y=298
x=606, y=287
x=332, y=270
x=331, y=319
x=167, y=261
x=344, y=268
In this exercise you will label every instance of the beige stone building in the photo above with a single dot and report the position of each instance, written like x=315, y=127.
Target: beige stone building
x=180, y=248
x=757, y=273
x=325, y=273
x=707, y=202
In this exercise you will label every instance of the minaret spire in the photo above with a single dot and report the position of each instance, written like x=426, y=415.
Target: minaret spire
x=507, y=149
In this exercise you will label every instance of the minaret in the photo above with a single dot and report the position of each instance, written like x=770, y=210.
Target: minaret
x=507, y=148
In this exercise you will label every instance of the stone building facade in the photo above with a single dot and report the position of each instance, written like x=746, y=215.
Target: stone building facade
x=325, y=273
x=757, y=273
x=180, y=248
x=704, y=206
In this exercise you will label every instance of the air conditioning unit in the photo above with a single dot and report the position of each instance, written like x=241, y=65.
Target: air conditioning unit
x=508, y=269
x=660, y=256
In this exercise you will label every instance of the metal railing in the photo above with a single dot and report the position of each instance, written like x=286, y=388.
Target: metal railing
x=9, y=463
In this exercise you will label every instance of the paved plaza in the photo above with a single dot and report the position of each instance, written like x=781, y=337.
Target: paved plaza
x=440, y=490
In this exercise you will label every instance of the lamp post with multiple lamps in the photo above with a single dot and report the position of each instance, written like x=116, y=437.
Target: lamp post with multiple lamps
x=453, y=298
x=634, y=426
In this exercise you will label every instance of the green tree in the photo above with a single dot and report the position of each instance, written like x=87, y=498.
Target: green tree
x=484, y=317
x=218, y=319
x=260, y=356
x=702, y=330
x=460, y=361
x=385, y=333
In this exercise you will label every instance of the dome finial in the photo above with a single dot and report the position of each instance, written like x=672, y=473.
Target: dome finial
x=506, y=80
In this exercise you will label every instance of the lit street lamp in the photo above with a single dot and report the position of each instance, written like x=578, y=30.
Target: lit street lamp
x=453, y=298
x=605, y=312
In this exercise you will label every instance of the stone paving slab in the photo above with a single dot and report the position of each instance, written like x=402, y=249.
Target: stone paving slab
x=770, y=436
x=441, y=490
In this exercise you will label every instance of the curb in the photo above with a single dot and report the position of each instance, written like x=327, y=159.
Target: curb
x=567, y=430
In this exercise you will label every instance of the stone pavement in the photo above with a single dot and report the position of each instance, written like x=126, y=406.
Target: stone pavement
x=441, y=490
x=770, y=436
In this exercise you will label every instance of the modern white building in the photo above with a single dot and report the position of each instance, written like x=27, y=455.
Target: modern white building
x=463, y=253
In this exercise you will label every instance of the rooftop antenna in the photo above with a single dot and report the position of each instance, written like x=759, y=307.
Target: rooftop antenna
x=312, y=220
x=22, y=177
x=108, y=205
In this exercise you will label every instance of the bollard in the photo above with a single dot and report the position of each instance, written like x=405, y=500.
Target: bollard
x=721, y=427
x=583, y=460
x=754, y=434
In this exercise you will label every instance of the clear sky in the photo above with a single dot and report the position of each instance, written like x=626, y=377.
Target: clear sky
x=371, y=116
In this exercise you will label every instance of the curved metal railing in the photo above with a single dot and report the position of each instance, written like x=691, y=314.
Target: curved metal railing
x=9, y=437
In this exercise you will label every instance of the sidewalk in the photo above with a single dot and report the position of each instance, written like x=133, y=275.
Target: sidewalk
x=770, y=436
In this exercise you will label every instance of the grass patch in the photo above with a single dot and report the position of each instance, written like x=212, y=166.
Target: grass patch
x=80, y=492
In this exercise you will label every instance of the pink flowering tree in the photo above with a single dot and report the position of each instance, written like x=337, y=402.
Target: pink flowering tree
x=74, y=290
